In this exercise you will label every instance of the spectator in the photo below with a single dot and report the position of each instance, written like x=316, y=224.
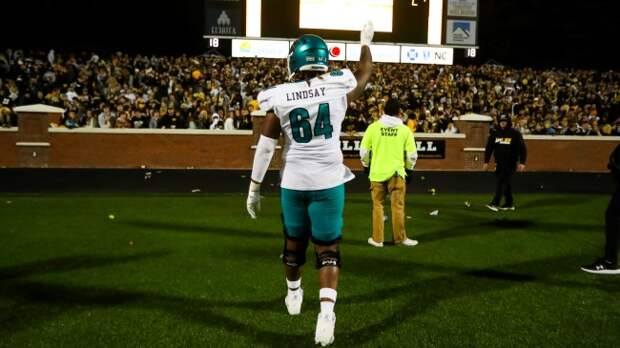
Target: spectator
x=237, y=119
x=450, y=129
x=412, y=122
x=229, y=123
x=203, y=121
x=361, y=123
x=246, y=119
x=5, y=116
x=539, y=129
x=192, y=123
x=348, y=124
x=170, y=119
x=154, y=119
x=586, y=129
x=106, y=118
x=89, y=120
x=540, y=99
x=123, y=120
x=215, y=122
x=71, y=120
x=139, y=119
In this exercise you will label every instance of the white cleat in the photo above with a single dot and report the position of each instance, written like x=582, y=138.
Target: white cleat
x=375, y=244
x=409, y=242
x=325, y=324
x=293, y=301
x=492, y=207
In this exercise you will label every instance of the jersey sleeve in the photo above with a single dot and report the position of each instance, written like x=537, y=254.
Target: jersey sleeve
x=348, y=79
x=266, y=99
x=342, y=79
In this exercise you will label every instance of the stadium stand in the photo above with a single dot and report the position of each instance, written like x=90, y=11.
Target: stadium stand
x=211, y=92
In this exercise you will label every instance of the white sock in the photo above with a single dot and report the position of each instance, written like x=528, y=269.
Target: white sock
x=327, y=306
x=293, y=285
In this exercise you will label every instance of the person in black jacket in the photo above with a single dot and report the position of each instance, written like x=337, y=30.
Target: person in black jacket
x=507, y=144
x=609, y=263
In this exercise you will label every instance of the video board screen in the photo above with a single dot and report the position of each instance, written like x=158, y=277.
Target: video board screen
x=345, y=14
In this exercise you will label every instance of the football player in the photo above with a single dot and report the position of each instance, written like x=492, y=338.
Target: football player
x=309, y=111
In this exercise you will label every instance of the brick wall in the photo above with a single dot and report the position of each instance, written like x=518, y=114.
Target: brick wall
x=34, y=145
x=80, y=149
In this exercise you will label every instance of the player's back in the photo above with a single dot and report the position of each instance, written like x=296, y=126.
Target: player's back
x=311, y=114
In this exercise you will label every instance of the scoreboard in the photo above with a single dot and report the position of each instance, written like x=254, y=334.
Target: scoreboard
x=404, y=23
x=406, y=31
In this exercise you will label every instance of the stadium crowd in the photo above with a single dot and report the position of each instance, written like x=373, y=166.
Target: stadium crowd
x=212, y=92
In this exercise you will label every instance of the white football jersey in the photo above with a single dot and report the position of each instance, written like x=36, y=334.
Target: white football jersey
x=311, y=114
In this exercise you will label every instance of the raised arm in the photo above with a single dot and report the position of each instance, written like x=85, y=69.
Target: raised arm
x=364, y=70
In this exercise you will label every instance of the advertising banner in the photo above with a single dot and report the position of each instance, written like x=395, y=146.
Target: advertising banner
x=337, y=50
x=259, y=48
x=224, y=17
x=463, y=8
x=460, y=32
x=427, y=55
x=380, y=53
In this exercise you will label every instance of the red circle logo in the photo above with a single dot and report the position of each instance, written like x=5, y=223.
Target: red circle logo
x=335, y=51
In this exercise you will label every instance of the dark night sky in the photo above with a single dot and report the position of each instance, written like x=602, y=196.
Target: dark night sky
x=538, y=33
x=550, y=32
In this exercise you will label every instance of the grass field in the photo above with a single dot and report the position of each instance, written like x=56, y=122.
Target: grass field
x=194, y=270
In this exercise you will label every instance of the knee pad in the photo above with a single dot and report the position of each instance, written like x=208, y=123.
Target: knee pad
x=327, y=259
x=294, y=258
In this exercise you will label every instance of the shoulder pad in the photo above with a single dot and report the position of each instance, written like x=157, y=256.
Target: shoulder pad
x=265, y=97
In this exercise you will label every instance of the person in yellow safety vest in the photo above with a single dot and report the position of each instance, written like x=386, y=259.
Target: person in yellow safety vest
x=388, y=153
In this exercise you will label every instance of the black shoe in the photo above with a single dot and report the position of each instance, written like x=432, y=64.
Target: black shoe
x=602, y=266
x=507, y=207
x=492, y=207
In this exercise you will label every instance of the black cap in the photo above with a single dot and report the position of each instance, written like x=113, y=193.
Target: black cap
x=507, y=119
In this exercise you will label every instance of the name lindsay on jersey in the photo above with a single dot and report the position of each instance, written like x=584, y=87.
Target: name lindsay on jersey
x=305, y=94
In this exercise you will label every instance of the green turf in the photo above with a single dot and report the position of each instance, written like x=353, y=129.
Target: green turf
x=193, y=270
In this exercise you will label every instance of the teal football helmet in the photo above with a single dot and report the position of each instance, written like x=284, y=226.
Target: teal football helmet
x=308, y=53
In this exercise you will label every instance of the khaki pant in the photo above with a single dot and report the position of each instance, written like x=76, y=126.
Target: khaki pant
x=397, y=188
